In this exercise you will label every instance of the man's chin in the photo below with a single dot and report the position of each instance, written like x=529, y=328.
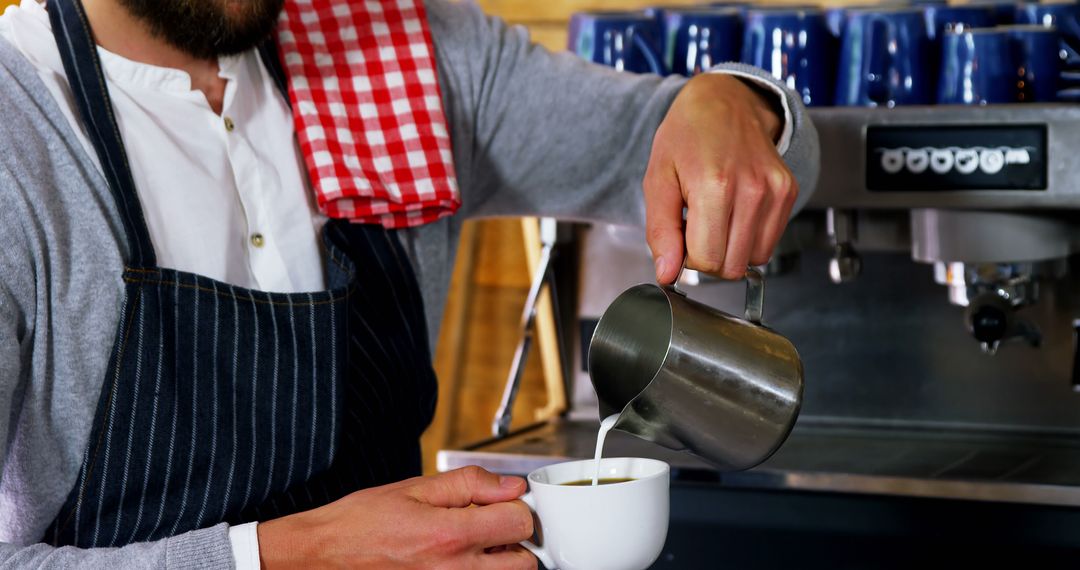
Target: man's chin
x=208, y=29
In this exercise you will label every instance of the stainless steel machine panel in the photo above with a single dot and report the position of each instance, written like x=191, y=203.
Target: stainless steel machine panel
x=843, y=134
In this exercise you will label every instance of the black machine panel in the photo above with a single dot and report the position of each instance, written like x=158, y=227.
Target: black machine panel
x=915, y=158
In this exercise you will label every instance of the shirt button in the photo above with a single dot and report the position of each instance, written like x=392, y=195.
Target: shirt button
x=257, y=240
x=230, y=126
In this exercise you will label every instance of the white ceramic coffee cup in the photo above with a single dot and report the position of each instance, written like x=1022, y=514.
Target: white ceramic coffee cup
x=621, y=526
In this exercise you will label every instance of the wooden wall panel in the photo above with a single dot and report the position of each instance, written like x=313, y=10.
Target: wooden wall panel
x=480, y=333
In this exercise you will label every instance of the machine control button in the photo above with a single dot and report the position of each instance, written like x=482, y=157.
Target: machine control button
x=918, y=161
x=991, y=161
x=1018, y=156
x=892, y=161
x=942, y=161
x=967, y=161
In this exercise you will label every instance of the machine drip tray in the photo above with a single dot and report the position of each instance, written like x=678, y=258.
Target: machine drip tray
x=978, y=466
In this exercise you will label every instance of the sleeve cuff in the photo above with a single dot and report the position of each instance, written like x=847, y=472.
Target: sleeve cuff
x=245, y=546
x=785, y=135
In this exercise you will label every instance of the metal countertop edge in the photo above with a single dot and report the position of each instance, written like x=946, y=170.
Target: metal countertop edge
x=1054, y=495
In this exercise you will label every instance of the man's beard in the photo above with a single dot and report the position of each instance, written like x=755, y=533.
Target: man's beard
x=207, y=29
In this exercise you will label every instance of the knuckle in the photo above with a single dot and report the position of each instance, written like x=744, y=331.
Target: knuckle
x=783, y=179
x=734, y=270
x=793, y=191
x=472, y=473
x=789, y=181
x=721, y=181
x=448, y=539
x=709, y=264
x=753, y=191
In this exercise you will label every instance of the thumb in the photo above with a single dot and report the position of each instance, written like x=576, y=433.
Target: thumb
x=468, y=486
x=664, y=222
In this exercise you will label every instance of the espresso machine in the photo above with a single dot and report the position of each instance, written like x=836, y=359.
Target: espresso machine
x=932, y=289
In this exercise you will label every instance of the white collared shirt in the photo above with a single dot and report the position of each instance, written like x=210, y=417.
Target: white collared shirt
x=226, y=197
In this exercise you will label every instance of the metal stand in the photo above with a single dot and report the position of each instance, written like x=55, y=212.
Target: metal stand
x=543, y=277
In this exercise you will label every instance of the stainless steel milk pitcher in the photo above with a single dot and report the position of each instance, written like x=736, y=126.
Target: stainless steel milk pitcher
x=690, y=377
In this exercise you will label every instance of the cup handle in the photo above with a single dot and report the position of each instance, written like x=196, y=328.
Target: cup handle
x=652, y=57
x=755, y=295
x=537, y=551
x=753, y=46
x=880, y=62
x=1068, y=52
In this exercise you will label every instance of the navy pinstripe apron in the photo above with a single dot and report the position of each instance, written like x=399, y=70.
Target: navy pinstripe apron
x=224, y=404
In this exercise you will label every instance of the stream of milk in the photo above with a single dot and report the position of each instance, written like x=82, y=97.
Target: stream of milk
x=605, y=426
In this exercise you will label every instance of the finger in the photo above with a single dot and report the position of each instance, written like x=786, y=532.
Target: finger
x=744, y=227
x=664, y=221
x=510, y=558
x=708, y=221
x=775, y=217
x=468, y=486
x=496, y=525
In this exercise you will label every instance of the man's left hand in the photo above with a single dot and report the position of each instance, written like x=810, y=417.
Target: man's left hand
x=715, y=154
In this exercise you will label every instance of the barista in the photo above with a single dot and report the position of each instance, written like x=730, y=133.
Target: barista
x=197, y=368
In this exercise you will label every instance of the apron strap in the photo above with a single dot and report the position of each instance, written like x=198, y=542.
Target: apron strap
x=71, y=29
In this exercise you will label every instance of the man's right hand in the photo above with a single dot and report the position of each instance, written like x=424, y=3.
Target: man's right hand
x=425, y=522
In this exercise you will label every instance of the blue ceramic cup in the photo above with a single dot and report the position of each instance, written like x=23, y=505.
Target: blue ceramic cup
x=1040, y=58
x=1047, y=14
x=794, y=46
x=978, y=67
x=697, y=39
x=887, y=58
x=626, y=41
x=1007, y=64
x=944, y=18
x=1064, y=17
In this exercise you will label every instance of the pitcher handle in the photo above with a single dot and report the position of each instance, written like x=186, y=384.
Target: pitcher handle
x=755, y=292
x=755, y=295
x=678, y=278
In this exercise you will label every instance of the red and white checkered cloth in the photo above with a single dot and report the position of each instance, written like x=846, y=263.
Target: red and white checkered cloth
x=368, y=110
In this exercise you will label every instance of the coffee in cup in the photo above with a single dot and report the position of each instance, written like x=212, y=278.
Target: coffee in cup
x=588, y=482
